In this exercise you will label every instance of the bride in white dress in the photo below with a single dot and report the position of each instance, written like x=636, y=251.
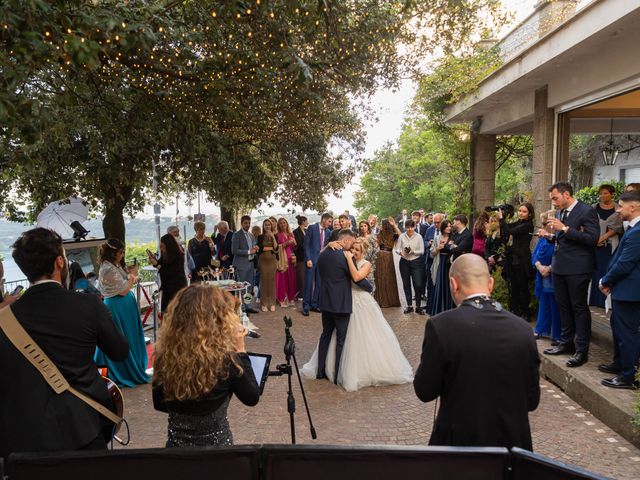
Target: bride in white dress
x=371, y=354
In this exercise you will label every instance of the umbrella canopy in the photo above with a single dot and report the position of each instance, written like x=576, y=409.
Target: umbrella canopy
x=57, y=216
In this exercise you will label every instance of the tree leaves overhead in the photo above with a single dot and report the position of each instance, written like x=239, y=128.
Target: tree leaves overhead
x=242, y=99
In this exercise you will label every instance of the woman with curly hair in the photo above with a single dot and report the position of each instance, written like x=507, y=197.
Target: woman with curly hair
x=200, y=363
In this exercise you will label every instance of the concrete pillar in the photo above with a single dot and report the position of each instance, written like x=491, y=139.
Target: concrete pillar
x=483, y=168
x=543, y=130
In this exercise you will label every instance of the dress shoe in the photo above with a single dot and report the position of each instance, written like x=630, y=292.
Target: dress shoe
x=408, y=310
x=579, y=358
x=252, y=310
x=305, y=313
x=554, y=343
x=420, y=311
x=619, y=382
x=558, y=350
x=609, y=368
x=316, y=309
x=321, y=376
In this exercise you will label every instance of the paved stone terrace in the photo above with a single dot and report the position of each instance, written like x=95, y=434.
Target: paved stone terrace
x=390, y=415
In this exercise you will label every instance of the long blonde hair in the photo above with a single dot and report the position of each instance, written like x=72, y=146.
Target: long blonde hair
x=196, y=341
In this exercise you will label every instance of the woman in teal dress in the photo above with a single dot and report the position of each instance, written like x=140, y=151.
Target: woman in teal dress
x=115, y=284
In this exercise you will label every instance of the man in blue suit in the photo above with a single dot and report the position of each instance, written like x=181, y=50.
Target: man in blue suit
x=335, y=300
x=621, y=281
x=314, y=241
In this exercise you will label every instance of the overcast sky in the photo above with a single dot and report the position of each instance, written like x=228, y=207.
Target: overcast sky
x=389, y=107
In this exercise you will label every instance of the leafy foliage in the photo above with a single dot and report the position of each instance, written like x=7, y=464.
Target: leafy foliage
x=240, y=99
x=589, y=195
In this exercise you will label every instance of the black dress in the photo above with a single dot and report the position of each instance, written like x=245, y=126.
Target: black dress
x=518, y=269
x=202, y=254
x=172, y=278
x=203, y=421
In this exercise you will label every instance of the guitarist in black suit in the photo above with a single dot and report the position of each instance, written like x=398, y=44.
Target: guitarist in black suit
x=577, y=230
x=67, y=326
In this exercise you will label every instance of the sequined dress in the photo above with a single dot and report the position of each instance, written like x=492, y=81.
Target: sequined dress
x=203, y=421
x=212, y=429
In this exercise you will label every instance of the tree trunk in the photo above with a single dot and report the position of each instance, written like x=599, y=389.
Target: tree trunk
x=229, y=216
x=113, y=221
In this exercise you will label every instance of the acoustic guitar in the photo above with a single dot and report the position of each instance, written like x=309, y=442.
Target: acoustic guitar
x=118, y=407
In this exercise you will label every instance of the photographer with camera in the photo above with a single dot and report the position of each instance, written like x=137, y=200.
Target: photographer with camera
x=411, y=250
x=518, y=270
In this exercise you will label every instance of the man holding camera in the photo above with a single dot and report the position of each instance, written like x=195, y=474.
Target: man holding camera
x=411, y=250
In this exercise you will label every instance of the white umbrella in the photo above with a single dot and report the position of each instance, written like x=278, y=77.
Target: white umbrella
x=57, y=216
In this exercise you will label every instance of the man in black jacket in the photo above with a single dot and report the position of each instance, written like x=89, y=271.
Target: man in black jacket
x=577, y=230
x=482, y=362
x=335, y=299
x=462, y=237
x=68, y=326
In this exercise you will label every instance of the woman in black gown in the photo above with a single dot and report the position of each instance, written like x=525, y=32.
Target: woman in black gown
x=200, y=363
x=517, y=263
x=441, y=253
x=170, y=266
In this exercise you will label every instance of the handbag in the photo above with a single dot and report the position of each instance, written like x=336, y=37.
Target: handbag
x=281, y=259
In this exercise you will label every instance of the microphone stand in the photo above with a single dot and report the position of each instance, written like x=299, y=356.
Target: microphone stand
x=285, y=369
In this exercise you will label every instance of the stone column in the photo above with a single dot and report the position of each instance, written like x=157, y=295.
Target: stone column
x=483, y=168
x=543, y=125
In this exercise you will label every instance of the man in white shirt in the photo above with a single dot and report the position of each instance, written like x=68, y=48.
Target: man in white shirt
x=411, y=249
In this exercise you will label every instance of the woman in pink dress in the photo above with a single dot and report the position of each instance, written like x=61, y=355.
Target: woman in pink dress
x=286, y=281
x=480, y=234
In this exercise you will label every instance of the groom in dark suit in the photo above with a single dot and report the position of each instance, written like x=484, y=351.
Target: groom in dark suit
x=335, y=299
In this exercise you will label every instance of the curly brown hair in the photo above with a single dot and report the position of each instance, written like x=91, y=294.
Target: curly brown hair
x=196, y=342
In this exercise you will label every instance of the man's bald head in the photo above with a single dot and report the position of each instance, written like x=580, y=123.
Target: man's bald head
x=469, y=275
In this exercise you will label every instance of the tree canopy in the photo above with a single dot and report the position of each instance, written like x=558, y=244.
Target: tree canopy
x=240, y=99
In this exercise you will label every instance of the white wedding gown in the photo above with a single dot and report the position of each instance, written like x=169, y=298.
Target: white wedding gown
x=371, y=354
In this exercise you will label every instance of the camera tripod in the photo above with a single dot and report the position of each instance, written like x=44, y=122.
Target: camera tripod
x=285, y=369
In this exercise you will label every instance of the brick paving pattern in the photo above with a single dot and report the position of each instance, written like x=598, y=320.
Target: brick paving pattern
x=389, y=415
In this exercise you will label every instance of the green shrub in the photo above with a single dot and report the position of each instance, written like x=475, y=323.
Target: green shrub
x=589, y=195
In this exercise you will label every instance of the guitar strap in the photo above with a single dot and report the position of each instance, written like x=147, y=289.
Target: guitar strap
x=32, y=352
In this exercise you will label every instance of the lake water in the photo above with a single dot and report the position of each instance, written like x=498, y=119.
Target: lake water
x=138, y=230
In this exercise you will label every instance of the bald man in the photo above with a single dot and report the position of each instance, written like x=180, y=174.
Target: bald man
x=482, y=362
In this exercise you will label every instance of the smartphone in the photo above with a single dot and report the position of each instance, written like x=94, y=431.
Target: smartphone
x=149, y=253
x=17, y=290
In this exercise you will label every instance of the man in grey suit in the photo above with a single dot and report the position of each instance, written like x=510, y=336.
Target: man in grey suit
x=244, y=249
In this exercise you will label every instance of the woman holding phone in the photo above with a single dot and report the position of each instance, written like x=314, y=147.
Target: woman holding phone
x=115, y=284
x=170, y=266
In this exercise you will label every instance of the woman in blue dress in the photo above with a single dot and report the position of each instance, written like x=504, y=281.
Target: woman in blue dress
x=442, y=300
x=115, y=284
x=548, y=322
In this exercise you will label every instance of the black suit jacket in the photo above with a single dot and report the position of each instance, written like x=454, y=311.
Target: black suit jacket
x=298, y=234
x=67, y=326
x=575, y=252
x=463, y=241
x=224, y=248
x=335, y=285
x=483, y=364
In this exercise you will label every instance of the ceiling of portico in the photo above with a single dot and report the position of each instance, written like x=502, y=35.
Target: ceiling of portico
x=598, y=61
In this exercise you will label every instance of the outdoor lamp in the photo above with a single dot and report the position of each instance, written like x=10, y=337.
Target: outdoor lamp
x=610, y=150
x=79, y=232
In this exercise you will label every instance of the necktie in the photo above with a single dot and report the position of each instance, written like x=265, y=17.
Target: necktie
x=563, y=215
x=321, y=238
x=249, y=243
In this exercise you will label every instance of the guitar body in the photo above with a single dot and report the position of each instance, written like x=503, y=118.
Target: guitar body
x=118, y=403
